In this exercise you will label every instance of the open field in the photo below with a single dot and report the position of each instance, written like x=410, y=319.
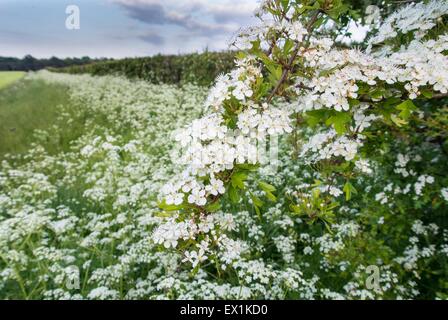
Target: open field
x=79, y=152
x=9, y=77
x=26, y=108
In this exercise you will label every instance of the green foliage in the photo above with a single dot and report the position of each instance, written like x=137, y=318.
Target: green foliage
x=201, y=69
x=349, y=190
x=339, y=120
x=268, y=190
x=29, y=63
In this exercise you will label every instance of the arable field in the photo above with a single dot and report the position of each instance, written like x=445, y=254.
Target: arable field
x=9, y=77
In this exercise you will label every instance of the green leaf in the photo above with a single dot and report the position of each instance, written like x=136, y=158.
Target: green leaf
x=398, y=121
x=427, y=93
x=248, y=166
x=349, y=189
x=238, y=180
x=289, y=44
x=169, y=207
x=271, y=196
x=234, y=195
x=213, y=207
x=275, y=71
x=285, y=4
x=313, y=117
x=241, y=55
x=256, y=201
x=257, y=204
x=407, y=108
x=163, y=214
x=339, y=121
x=258, y=212
x=266, y=187
x=296, y=209
x=377, y=94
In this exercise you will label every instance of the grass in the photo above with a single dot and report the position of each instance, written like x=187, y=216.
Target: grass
x=27, y=106
x=9, y=77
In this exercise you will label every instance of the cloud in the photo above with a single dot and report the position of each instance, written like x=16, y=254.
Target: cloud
x=199, y=17
x=152, y=38
x=232, y=12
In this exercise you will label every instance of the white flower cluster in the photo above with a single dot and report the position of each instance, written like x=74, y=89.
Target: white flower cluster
x=416, y=17
x=400, y=165
x=422, y=64
x=444, y=193
x=293, y=30
x=363, y=166
x=238, y=83
x=327, y=145
x=415, y=251
x=210, y=147
x=421, y=182
x=418, y=65
x=334, y=89
x=172, y=231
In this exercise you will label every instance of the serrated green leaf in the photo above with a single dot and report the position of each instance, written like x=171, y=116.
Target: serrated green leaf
x=266, y=187
x=238, y=179
x=339, y=121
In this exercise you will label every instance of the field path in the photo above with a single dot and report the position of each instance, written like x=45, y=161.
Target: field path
x=9, y=77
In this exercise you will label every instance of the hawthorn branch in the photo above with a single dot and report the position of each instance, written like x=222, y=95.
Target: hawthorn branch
x=293, y=57
x=302, y=86
x=434, y=96
x=274, y=92
x=439, y=96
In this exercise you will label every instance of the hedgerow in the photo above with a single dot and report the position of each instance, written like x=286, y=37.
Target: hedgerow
x=201, y=69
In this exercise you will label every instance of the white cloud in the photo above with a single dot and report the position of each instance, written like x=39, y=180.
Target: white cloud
x=200, y=17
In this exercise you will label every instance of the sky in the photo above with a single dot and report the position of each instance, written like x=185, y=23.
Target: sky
x=120, y=28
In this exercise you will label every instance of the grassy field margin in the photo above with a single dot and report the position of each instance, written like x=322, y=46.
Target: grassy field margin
x=9, y=77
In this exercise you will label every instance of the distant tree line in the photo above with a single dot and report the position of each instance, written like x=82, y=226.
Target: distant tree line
x=199, y=68
x=30, y=63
